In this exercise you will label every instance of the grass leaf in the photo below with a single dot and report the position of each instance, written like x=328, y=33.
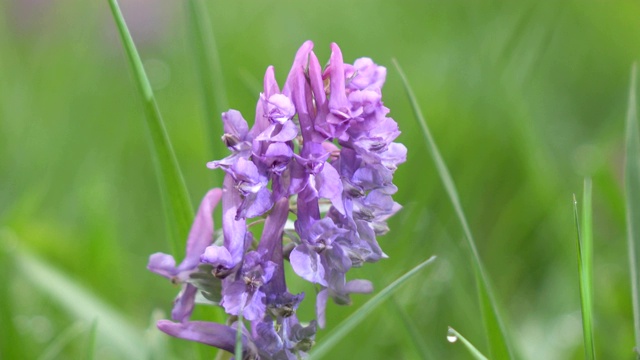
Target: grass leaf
x=453, y=336
x=416, y=338
x=339, y=332
x=498, y=344
x=113, y=328
x=175, y=196
x=585, y=272
x=209, y=71
x=632, y=200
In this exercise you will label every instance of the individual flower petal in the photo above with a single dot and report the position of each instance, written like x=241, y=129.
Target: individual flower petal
x=184, y=303
x=307, y=264
x=217, y=335
x=329, y=186
x=162, y=264
x=321, y=307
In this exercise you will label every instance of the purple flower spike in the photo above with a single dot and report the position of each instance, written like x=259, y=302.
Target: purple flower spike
x=320, y=152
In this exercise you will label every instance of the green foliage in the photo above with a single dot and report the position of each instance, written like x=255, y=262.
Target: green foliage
x=453, y=336
x=525, y=99
x=177, y=204
x=632, y=201
x=498, y=342
x=584, y=242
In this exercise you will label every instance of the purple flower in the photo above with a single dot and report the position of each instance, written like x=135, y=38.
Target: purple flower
x=321, y=151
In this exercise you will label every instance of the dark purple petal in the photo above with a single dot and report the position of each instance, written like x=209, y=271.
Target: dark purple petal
x=201, y=234
x=184, y=303
x=234, y=230
x=329, y=186
x=162, y=264
x=217, y=335
x=258, y=204
x=235, y=124
x=307, y=264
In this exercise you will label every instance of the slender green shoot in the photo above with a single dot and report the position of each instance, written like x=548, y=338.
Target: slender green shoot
x=632, y=200
x=417, y=339
x=209, y=70
x=175, y=196
x=339, y=333
x=66, y=337
x=114, y=328
x=239, y=337
x=498, y=342
x=91, y=344
x=584, y=246
x=453, y=336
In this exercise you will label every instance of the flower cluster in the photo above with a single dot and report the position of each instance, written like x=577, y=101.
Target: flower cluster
x=320, y=150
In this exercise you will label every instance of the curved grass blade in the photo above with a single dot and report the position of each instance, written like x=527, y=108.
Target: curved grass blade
x=113, y=328
x=453, y=336
x=585, y=272
x=176, y=201
x=63, y=339
x=207, y=59
x=340, y=332
x=632, y=200
x=498, y=344
x=412, y=330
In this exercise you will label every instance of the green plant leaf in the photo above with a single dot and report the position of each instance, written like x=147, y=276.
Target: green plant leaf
x=453, y=336
x=112, y=329
x=584, y=240
x=498, y=342
x=209, y=71
x=416, y=338
x=632, y=200
x=175, y=196
x=339, y=332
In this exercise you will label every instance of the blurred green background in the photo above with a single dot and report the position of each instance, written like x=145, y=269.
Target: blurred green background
x=524, y=99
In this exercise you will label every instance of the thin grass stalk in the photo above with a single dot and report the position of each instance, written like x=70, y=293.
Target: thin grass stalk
x=175, y=196
x=498, y=342
x=209, y=71
x=583, y=235
x=340, y=332
x=453, y=336
x=632, y=201
x=416, y=338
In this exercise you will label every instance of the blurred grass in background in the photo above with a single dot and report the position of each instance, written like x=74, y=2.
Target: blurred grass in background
x=523, y=98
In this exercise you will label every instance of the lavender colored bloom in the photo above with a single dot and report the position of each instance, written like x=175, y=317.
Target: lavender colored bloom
x=200, y=236
x=320, y=152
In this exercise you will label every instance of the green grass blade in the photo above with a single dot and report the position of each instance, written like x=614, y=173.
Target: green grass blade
x=416, y=338
x=238, y=353
x=54, y=349
x=340, y=332
x=498, y=342
x=632, y=200
x=91, y=343
x=584, y=243
x=209, y=71
x=113, y=329
x=174, y=192
x=453, y=336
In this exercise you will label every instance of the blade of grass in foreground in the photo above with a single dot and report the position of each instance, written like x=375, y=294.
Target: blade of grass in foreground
x=340, y=332
x=584, y=245
x=113, y=328
x=209, y=70
x=632, y=200
x=175, y=196
x=413, y=332
x=453, y=336
x=496, y=334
